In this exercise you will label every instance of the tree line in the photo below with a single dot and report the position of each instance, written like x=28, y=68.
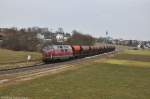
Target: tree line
x=22, y=40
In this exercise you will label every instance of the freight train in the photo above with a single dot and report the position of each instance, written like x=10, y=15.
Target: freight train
x=61, y=52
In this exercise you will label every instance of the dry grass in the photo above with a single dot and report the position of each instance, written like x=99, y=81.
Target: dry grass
x=10, y=58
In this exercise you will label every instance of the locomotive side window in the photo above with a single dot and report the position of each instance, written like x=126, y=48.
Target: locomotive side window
x=55, y=47
x=61, y=48
x=66, y=48
x=58, y=47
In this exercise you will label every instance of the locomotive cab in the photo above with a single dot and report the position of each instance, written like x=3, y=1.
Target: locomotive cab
x=57, y=52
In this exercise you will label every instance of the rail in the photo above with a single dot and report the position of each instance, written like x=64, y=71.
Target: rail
x=42, y=65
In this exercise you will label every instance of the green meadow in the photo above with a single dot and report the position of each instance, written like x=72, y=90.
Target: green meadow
x=8, y=56
x=11, y=59
x=138, y=52
x=124, y=76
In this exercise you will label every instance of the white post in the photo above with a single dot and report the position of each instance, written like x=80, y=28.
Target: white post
x=28, y=58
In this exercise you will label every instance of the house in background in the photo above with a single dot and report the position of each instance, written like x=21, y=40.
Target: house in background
x=56, y=37
x=2, y=35
x=46, y=36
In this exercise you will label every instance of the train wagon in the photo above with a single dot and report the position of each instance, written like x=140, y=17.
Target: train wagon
x=76, y=51
x=85, y=50
x=95, y=50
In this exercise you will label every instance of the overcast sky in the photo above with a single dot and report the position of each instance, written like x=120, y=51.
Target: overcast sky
x=129, y=19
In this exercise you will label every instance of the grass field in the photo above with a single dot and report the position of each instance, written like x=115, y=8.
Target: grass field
x=7, y=56
x=138, y=52
x=119, y=77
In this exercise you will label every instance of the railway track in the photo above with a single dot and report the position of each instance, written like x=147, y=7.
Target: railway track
x=52, y=65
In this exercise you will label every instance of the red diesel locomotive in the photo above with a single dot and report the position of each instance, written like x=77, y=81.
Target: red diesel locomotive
x=59, y=52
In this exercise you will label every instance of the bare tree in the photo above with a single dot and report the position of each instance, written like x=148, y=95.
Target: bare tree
x=21, y=41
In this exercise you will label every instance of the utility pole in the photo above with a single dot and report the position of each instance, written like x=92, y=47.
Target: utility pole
x=106, y=36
